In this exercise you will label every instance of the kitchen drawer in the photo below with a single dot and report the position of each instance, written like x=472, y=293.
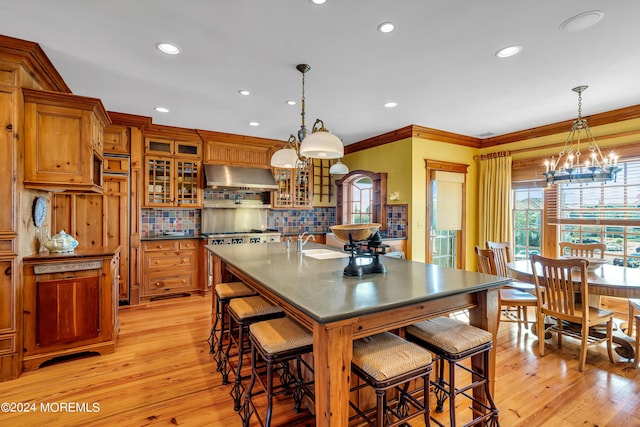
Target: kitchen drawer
x=188, y=244
x=160, y=245
x=7, y=345
x=161, y=260
x=157, y=284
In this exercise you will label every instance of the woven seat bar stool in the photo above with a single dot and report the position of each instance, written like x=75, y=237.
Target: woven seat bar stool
x=385, y=361
x=454, y=341
x=277, y=342
x=243, y=312
x=224, y=292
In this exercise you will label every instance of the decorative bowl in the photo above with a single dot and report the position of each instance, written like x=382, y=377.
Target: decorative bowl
x=358, y=232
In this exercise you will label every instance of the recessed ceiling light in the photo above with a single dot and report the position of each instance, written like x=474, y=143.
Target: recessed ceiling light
x=318, y=1
x=244, y=92
x=290, y=102
x=386, y=27
x=168, y=48
x=582, y=21
x=161, y=109
x=508, y=51
x=390, y=104
x=254, y=124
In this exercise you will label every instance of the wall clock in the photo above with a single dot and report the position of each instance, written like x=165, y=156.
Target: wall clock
x=39, y=210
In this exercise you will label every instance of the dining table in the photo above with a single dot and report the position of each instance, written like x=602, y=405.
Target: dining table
x=604, y=280
x=312, y=289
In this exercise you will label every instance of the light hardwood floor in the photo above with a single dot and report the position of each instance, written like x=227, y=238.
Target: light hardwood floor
x=162, y=374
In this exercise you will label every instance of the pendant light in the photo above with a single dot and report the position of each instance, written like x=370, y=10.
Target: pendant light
x=319, y=144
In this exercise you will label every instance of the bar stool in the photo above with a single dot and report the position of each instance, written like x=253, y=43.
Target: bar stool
x=224, y=293
x=454, y=341
x=277, y=341
x=385, y=361
x=243, y=312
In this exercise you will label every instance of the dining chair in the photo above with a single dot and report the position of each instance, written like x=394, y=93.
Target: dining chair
x=588, y=250
x=514, y=303
x=556, y=281
x=501, y=257
x=634, y=304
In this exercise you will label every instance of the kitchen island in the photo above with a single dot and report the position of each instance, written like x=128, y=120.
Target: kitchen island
x=339, y=309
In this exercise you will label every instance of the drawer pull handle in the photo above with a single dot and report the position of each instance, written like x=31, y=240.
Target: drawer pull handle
x=158, y=283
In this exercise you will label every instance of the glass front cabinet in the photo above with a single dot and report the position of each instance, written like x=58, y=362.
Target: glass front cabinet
x=295, y=188
x=173, y=179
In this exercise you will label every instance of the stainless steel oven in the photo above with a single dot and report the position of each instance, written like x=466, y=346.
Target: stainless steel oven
x=237, y=238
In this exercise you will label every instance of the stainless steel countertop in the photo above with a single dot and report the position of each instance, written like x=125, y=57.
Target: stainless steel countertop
x=318, y=288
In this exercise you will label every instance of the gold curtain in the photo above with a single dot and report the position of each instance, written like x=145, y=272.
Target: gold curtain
x=494, y=204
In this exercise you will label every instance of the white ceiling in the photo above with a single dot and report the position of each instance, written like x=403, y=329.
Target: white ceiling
x=439, y=63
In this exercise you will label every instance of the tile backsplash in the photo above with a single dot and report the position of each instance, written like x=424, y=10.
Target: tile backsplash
x=155, y=222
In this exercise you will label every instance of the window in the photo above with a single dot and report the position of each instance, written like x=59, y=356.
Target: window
x=608, y=213
x=527, y=221
x=362, y=198
x=360, y=201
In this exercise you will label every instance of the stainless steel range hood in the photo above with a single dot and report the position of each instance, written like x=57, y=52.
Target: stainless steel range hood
x=233, y=177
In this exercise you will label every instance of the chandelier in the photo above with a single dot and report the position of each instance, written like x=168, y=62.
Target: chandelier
x=319, y=144
x=568, y=168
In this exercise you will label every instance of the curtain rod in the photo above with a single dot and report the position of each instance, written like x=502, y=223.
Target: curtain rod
x=493, y=155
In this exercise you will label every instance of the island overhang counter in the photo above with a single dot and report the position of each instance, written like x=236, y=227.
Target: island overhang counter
x=339, y=309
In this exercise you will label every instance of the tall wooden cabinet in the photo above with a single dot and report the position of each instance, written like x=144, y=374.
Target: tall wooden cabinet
x=10, y=295
x=63, y=141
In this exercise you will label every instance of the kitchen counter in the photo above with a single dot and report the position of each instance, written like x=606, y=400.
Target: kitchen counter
x=339, y=309
x=151, y=238
x=90, y=252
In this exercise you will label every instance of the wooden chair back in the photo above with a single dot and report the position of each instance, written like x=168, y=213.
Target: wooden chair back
x=485, y=261
x=501, y=256
x=587, y=250
x=555, y=281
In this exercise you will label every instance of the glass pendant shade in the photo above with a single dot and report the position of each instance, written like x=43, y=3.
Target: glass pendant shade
x=284, y=158
x=322, y=145
x=338, y=168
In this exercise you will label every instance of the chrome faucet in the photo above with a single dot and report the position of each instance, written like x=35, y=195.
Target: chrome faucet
x=302, y=241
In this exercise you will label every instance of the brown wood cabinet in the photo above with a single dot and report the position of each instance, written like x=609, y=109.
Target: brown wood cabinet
x=233, y=154
x=63, y=141
x=70, y=304
x=117, y=140
x=295, y=188
x=171, y=267
x=10, y=297
x=172, y=173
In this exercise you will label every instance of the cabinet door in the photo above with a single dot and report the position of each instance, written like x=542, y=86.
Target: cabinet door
x=159, y=182
x=68, y=310
x=116, y=193
x=159, y=146
x=116, y=139
x=294, y=188
x=54, y=151
x=187, y=187
x=192, y=149
x=7, y=298
x=7, y=162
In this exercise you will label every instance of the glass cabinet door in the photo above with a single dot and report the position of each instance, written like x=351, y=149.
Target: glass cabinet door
x=294, y=188
x=159, y=181
x=187, y=177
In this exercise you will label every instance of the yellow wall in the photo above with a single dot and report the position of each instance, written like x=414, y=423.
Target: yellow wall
x=434, y=150
x=404, y=162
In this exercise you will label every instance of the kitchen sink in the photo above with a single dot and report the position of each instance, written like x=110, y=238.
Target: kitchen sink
x=324, y=253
